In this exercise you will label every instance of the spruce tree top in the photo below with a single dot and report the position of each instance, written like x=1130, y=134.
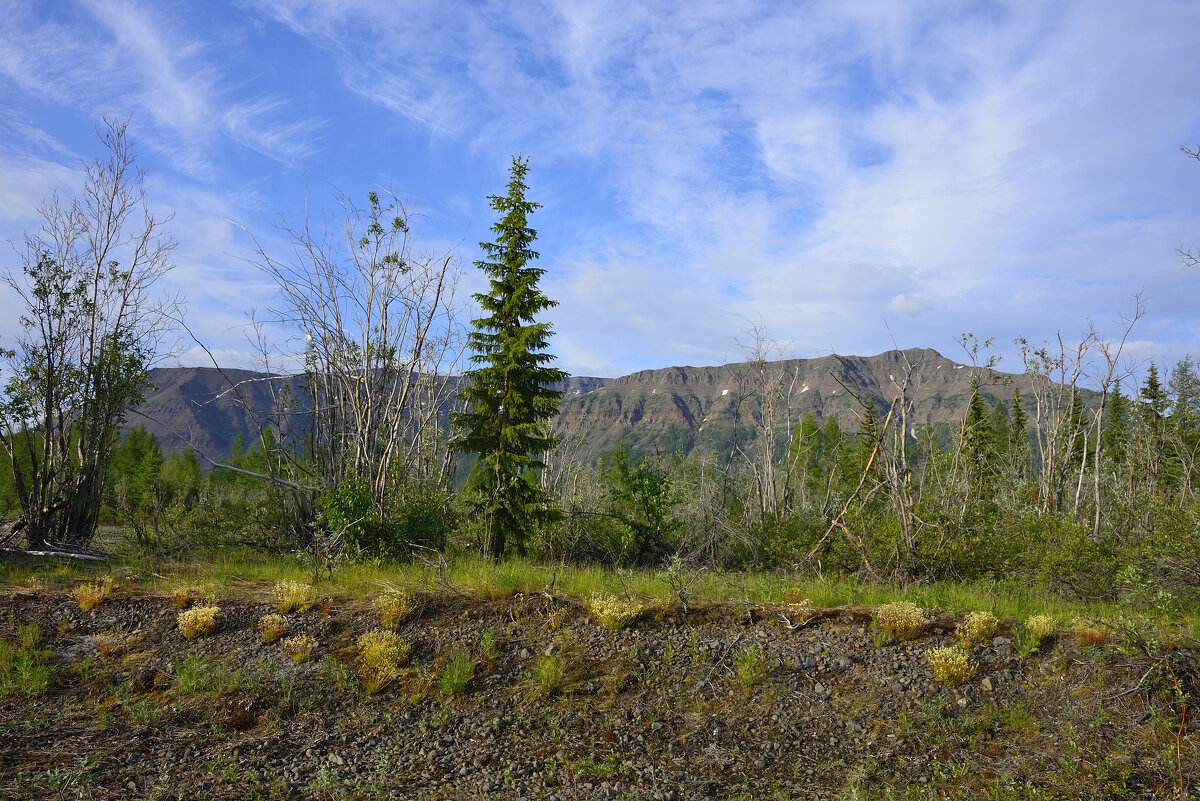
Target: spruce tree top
x=510, y=395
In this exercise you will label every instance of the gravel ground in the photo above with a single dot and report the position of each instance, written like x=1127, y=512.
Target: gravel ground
x=667, y=708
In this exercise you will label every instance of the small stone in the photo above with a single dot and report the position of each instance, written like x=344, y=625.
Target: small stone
x=986, y=685
x=819, y=688
x=524, y=653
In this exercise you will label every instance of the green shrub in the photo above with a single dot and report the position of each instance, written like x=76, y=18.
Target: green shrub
x=414, y=515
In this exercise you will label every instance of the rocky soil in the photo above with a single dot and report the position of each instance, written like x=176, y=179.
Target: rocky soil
x=670, y=707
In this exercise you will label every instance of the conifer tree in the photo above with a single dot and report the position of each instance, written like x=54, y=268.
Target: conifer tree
x=510, y=398
x=1018, y=435
x=1116, y=426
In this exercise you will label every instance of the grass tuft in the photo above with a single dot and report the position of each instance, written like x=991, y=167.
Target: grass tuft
x=89, y=596
x=751, y=666
x=456, y=674
x=294, y=596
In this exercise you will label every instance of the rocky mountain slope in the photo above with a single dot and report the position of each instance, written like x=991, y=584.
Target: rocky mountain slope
x=680, y=408
x=728, y=701
x=668, y=410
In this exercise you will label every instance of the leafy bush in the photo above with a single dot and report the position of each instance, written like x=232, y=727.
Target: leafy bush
x=272, y=627
x=414, y=515
x=950, y=665
x=299, y=648
x=900, y=621
x=199, y=620
x=294, y=596
x=643, y=500
x=611, y=611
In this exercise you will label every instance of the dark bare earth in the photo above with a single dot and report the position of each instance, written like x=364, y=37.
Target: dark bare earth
x=654, y=711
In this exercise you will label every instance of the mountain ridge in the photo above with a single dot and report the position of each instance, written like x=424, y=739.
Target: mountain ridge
x=668, y=409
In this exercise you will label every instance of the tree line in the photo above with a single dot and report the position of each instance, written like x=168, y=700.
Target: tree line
x=420, y=433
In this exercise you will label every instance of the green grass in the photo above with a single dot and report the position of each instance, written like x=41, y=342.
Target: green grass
x=245, y=573
x=456, y=674
x=24, y=671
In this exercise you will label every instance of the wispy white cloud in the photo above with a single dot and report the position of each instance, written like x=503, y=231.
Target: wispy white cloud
x=847, y=170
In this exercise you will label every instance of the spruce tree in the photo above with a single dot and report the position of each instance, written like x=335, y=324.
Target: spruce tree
x=510, y=399
x=1116, y=426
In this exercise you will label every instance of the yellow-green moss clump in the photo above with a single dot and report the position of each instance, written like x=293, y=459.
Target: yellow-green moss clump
x=393, y=607
x=950, y=665
x=901, y=621
x=199, y=620
x=1040, y=628
x=272, y=627
x=299, y=648
x=612, y=611
x=978, y=627
x=381, y=654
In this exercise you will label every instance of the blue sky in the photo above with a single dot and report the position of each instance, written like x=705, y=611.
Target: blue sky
x=846, y=174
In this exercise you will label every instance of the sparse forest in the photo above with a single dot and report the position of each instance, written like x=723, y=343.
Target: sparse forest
x=396, y=452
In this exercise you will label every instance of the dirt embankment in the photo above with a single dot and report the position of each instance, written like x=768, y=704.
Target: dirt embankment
x=722, y=702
